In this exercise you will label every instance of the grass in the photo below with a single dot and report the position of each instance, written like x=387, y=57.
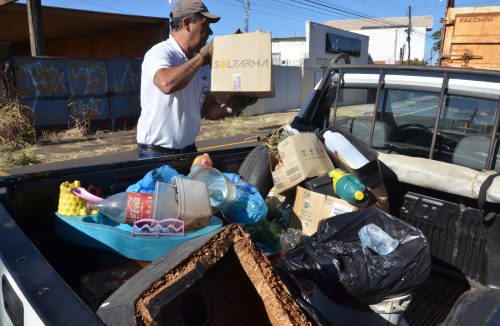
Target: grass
x=16, y=130
x=23, y=157
x=79, y=129
x=17, y=135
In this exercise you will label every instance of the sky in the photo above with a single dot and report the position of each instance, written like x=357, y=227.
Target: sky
x=284, y=18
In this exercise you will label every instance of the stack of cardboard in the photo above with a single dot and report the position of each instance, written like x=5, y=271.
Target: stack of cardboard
x=299, y=158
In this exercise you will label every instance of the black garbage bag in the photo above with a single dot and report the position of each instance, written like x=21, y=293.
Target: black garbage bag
x=346, y=271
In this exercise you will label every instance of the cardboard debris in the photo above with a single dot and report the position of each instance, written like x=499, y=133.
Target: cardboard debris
x=303, y=156
x=242, y=64
x=216, y=279
x=311, y=207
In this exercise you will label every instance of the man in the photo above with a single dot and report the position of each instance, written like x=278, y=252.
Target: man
x=175, y=84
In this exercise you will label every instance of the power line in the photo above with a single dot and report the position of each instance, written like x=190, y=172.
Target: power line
x=103, y=6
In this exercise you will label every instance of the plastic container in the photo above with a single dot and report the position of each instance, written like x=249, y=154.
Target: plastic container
x=221, y=190
x=185, y=200
x=125, y=207
x=347, y=186
x=376, y=239
x=342, y=148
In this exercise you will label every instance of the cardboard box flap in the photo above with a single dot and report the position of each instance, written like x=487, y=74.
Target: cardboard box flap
x=311, y=207
x=303, y=156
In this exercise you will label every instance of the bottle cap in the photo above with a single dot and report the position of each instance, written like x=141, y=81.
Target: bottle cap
x=203, y=160
x=359, y=195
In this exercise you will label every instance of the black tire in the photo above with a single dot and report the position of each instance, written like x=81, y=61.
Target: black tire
x=256, y=170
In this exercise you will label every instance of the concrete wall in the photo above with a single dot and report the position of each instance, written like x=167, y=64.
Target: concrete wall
x=291, y=53
x=385, y=43
x=58, y=90
x=287, y=90
x=319, y=59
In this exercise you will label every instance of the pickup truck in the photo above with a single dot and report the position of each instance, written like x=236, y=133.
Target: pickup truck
x=436, y=132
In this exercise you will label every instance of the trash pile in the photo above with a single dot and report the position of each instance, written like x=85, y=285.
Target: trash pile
x=324, y=221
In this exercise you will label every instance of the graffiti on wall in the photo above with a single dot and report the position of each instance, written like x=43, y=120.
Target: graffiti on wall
x=75, y=88
x=124, y=76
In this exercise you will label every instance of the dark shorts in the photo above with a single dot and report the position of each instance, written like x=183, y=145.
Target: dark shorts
x=148, y=151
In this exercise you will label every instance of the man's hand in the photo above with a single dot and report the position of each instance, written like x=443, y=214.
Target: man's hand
x=206, y=52
x=236, y=103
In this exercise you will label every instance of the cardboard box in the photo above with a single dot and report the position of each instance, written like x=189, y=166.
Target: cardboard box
x=242, y=64
x=311, y=207
x=303, y=156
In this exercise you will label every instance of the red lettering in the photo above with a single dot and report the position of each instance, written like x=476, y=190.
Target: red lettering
x=476, y=20
x=139, y=205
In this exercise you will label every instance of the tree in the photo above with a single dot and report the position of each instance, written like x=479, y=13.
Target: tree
x=436, y=36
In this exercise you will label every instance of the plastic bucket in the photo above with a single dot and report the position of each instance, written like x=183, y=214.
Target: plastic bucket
x=184, y=199
x=221, y=190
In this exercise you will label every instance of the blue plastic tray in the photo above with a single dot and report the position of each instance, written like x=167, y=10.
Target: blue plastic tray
x=98, y=231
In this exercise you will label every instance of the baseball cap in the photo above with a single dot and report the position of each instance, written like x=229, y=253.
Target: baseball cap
x=187, y=7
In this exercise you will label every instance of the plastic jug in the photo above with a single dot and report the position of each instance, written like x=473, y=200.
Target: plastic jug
x=347, y=186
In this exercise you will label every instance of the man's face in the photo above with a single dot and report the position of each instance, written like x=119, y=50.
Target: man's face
x=199, y=33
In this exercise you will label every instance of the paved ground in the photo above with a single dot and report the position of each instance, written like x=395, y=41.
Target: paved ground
x=105, y=147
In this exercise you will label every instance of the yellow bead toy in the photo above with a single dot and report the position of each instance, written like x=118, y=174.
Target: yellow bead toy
x=69, y=203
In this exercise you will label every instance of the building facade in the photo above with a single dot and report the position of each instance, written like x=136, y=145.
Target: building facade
x=314, y=52
x=388, y=37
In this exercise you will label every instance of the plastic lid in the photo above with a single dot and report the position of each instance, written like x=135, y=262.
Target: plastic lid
x=359, y=195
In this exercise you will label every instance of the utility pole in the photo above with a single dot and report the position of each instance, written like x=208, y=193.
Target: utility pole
x=247, y=14
x=408, y=38
x=395, y=46
x=35, y=23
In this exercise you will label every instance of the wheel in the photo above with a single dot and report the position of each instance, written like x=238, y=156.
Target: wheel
x=255, y=169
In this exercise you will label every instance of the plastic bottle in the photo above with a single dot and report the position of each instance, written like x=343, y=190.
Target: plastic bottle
x=342, y=148
x=125, y=207
x=347, y=186
x=375, y=238
x=200, y=161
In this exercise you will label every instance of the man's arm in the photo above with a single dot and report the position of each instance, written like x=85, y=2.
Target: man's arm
x=172, y=79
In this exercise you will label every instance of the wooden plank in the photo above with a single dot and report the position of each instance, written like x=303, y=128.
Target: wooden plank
x=4, y=2
x=35, y=22
x=471, y=38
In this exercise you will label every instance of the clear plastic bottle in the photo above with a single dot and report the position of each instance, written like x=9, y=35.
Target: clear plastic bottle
x=378, y=240
x=125, y=207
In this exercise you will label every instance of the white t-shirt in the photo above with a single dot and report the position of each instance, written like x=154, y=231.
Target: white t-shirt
x=173, y=120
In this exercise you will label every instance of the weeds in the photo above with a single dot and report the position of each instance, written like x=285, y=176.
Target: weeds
x=9, y=158
x=17, y=135
x=79, y=129
x=16, y=130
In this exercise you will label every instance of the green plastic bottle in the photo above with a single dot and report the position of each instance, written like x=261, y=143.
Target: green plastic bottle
x=347, y=186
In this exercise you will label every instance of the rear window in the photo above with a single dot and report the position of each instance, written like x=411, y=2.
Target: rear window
x=405, y=120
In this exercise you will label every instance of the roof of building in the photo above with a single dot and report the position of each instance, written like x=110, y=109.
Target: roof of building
x=61, y=23
x=289, y=39
x=376, y=23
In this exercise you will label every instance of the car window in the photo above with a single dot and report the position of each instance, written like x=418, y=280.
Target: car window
x=464, y=132
x=405, y=121
x=355, y=111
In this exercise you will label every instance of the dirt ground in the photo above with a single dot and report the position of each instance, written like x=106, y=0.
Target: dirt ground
x=113, y=142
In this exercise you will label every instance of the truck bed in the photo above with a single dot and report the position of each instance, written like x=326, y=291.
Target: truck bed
x=461, y=243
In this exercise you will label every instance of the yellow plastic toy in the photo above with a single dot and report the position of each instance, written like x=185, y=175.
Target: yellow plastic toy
x=69, y=203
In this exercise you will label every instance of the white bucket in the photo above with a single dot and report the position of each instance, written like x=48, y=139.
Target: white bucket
x=184, y=199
